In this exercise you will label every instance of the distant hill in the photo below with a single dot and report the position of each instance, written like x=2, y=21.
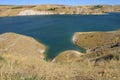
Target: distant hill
x=46, y=9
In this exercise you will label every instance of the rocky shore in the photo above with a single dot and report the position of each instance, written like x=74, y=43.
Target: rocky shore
x=33, y=12
x=56, y=9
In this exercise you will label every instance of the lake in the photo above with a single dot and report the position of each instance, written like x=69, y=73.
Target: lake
x=56, y=31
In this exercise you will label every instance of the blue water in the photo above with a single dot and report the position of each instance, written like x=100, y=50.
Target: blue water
x=56, y=31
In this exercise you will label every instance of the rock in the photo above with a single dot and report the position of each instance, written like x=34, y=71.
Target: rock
x=12, y=43
x=107, y=57
x=91, y=40
x=68, y=56
x=33, y=12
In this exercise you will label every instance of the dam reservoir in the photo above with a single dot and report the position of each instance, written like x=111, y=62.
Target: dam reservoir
x=56, y=31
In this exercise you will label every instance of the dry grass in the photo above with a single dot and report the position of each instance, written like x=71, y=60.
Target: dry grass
x=18, y=67
x=59, y=9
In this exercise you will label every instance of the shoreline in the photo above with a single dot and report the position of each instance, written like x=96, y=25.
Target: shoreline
x=53, y=15
x=52, y=9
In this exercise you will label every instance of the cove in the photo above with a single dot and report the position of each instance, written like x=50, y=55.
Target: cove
x=56, y=31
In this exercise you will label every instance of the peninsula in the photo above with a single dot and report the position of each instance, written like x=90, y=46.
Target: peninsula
x=22, y=57
x=52, y=9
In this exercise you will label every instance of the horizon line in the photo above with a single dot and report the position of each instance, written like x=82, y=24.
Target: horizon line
x=54, y=4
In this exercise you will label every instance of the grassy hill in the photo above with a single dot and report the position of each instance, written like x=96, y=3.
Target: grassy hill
x=31, y=68
x=21, y=60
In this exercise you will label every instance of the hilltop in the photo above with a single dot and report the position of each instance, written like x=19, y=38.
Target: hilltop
x=13, y=10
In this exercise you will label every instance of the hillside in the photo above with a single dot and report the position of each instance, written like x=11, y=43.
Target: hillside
x=12, y=10
x=21, y=58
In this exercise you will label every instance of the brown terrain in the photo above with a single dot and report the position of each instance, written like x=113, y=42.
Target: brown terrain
x=99, y=45
x=22, y=58
x=6, y=10
x=15, y=44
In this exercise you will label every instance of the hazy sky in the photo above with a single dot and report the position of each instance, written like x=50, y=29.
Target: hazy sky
x=68, y=2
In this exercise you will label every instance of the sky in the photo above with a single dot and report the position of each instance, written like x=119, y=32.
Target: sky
x=65, y=2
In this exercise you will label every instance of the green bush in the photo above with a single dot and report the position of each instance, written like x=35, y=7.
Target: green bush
x=51, y=9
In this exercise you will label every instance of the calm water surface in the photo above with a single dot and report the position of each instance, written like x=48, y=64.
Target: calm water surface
x=56, y=31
